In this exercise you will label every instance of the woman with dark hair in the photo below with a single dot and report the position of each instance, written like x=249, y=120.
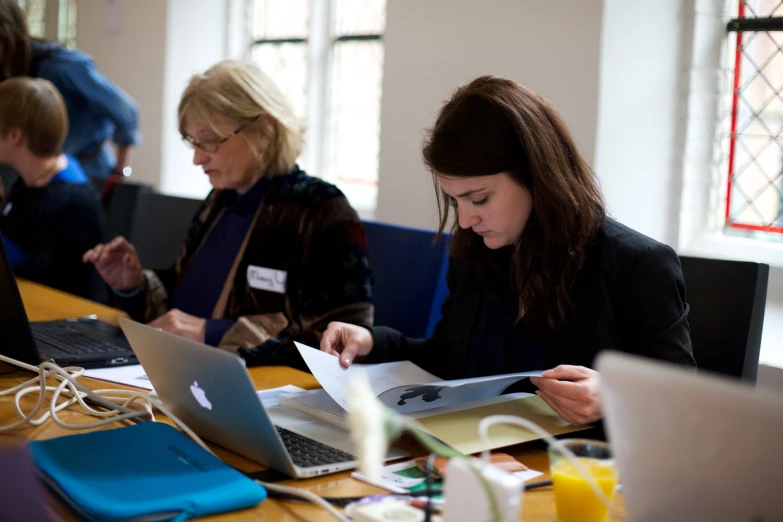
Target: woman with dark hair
x=98, y=110
x=539, y=276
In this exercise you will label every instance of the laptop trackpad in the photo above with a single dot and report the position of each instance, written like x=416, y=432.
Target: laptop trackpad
x=310, y=427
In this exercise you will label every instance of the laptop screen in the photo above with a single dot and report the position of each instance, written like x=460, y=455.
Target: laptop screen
x=16, y=339
x=692, y=446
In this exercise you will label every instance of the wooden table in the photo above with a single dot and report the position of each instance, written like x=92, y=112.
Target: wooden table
x=43, y=303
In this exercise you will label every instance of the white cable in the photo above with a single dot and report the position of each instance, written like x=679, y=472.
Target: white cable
x=489, y=421
x=119, y=408
x=14, y=362
x=307, y=495
x=68, y=385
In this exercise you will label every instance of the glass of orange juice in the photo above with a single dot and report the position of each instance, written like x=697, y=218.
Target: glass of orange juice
x=575, y=499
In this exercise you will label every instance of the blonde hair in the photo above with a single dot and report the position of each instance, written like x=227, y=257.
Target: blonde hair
x=35, y=106
x=242, y=93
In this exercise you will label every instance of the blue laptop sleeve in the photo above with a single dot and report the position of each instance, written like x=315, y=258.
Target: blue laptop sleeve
x=148, y=472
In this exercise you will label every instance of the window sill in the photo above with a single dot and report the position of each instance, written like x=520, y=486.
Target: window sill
x=720, y=246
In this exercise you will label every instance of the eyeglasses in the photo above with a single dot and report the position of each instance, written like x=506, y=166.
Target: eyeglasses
x=212, y=145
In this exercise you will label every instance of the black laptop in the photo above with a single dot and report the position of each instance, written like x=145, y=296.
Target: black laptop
x=84, y=342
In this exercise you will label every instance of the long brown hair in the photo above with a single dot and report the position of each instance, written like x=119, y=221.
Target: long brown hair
x=17, y=48
x=493, y=126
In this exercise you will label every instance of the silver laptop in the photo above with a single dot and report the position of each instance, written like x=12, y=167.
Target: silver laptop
x=210, y=390
x=691, y=446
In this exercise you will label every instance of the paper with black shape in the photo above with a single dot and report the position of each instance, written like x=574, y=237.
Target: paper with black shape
x=453, y=417
x=402, y=385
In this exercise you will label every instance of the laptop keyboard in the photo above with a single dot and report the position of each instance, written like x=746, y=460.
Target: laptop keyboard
x=308, y=453
x=70, y=340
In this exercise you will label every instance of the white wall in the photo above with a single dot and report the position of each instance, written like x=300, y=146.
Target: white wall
x=127, y=45
x=151, y=48
x=435, y=45
x=195, y=36
x=619, y=84
x=772, y=334
x=645, y=53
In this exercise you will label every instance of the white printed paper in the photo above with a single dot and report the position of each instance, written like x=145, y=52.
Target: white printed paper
x=132, y=375
x=404, y=477
x=270, y=397
x=403, y=386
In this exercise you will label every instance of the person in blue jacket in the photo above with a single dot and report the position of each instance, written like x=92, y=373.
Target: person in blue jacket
x=99, y=112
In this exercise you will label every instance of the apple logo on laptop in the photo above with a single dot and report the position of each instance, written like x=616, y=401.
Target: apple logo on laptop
x=200, y=395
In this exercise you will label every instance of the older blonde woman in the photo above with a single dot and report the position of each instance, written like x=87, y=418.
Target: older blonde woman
x=273, y=255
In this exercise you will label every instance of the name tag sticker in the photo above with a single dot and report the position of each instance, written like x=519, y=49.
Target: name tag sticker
x=267, y=279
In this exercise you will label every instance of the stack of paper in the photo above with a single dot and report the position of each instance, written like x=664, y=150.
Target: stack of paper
x=318, y=404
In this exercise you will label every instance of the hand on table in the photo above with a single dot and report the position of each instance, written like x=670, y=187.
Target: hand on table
x=179, y=323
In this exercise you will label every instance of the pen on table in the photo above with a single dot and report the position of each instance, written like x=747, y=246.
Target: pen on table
x=538, y=484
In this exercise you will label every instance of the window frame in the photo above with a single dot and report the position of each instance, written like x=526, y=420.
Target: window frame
x=700, y=228
x=56, y=14
x=321, y=41
x=739, y=26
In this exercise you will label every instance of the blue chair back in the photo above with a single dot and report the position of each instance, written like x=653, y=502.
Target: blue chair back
x=441, y=293
x=409, y=267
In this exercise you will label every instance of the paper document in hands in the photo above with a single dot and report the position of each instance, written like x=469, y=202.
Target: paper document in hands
x=403, y=386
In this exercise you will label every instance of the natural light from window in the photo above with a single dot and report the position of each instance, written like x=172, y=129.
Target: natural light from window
x=328, y=58
x=752, y=127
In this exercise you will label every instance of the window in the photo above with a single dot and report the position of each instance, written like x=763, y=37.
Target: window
x=327, y=56
x=63, y=28
x=36, y=16
x=66, y=22
x=752, y=128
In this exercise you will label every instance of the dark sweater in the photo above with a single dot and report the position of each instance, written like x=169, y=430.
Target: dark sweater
x=629, y=296
x=53, y=226
x=499, y=340
x=202, y=281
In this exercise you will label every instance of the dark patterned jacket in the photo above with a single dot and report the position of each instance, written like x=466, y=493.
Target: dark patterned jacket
x=304, y=227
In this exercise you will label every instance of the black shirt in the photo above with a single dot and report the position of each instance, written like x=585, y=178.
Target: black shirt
x=628, y=296
x=54, y=226
x=500, y=342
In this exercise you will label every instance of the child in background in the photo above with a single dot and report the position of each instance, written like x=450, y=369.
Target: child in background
x=51, y=214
